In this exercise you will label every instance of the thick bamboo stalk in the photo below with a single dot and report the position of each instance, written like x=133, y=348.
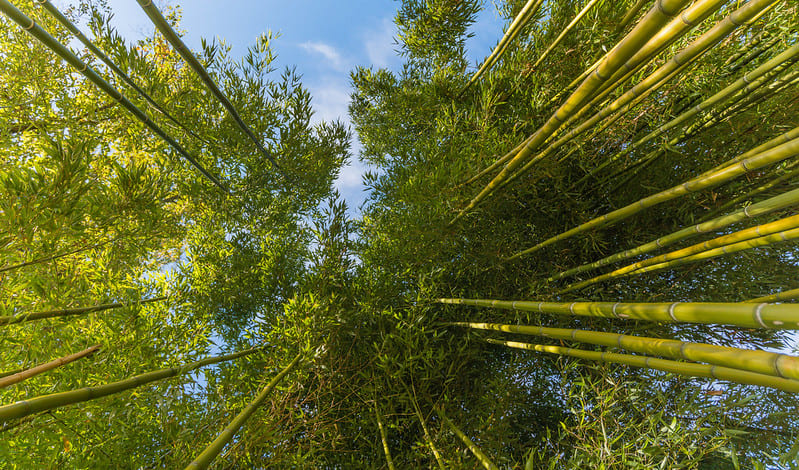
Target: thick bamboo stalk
x=781, y=227
x=565, y=31
x=728, y=173
x=41, y=368
x=759, y=362
x=111, y=65
x=215, y=448
x=65, y=54
x=687, y=369
x=62, y=51
x=66, y=312
x=761, y=208
x=624, y=50
x=792, y=173
x=52, y=401
x=172, y=37
x=516, y=26
x=764, y=315
x=778, y=297
x=479, y=454
x=384, y=439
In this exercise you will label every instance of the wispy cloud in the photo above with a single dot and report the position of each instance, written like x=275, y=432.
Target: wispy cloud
x=379, y=44
x=328, y=52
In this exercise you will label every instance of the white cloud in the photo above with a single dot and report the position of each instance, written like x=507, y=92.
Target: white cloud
x=328, y=52
x=379, y=44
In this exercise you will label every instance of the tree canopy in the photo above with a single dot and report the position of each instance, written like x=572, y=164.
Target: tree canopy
x=578, y=254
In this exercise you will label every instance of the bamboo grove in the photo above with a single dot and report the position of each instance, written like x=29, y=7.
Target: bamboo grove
x=579, y=252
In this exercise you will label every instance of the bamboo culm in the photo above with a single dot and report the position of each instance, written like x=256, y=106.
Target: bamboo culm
x=763, y=315
x=760, y=362
x=62, y=51
x=52, y=401
x=476, y=451
x=384, y=439
x=66, y=312
x=565, y=31
x=172, y=37
x=761, y=208
x=778, y=297
x=215, y=448
x=687, y=369
x=41, y=368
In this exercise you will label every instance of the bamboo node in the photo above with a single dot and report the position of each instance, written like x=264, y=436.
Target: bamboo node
x=30, y=27
x=758, y=317
x=671, y=311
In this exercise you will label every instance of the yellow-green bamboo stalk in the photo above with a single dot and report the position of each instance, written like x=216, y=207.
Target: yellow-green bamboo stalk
x=579, y=79
x=758, y=231
x=764, y=187
x=764, y=315
x=110, y=64
x=687, y=369
x=630, y=15
x=754, y=54
x=778, y=297
x=53, y=257
x=41, y=368
x=66, y=312
x=493, y=166
x=761, y=208
x=384, y=439
x=767, y=240
x=728, y=173
x=565, y=31
x=428, y=437
x=52, y=401
x=172, y=38
x=516, y=26
x=654, y=20
x=67, y=56
x=215, y=448
x=759, y=362
x=479, y=454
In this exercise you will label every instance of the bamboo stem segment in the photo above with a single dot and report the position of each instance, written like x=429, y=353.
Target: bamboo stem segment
x=215, y=448
x=384, y=439
x=28, y=373
x=66, y=312
x=763, y=315
x=479, y=454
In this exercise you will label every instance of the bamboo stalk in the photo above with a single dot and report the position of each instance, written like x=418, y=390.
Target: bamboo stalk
x=630, y=16
x=479, y=454
x=687, y=369
x=782, y=227
x=728, y=173
x=764, y=315
x=761, y=208
x=516, y=26
x=778, y=297
x=30, y=406
x=624, y=50
x=215, y=448
x=759, y=362
x=427, y=435
x=65, y=54
x=41, y=368
x=579, y=79
x=172, y=37
x=53, y=257
x=111, y=65
x=494, y=165
x=764, y=187
x=565, y=31
x=65, y=312
x=384, y=439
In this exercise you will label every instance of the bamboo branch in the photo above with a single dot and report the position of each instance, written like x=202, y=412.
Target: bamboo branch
x=65, y=312
x=26, y=374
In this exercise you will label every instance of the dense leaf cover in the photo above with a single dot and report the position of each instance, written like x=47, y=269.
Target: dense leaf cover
x=97, y=210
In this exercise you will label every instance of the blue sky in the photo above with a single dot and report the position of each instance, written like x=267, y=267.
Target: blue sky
x=323, y=39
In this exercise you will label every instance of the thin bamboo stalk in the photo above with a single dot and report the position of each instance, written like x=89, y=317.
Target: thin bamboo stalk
x=778, y=297
x=111, y=65
x=764, y=315
x=479, y=454
x=579, y=79
x=384, y=439
x=728, y=173
x=565, y=31
x=41, y=368
x=759, y=362
x=65, y=312
x=65, y=54
x=781, y=226
x=215, y=448
x=52, y=401
x=767, y=240
x=53, y=257
x=764, y=187
x=630, y=16
x=516, y=26
x=687, y=369
x=172, y=37
x=761, y=208
x=624, y=50
x=754, y=54
x=494, y=165
x=428, y=437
